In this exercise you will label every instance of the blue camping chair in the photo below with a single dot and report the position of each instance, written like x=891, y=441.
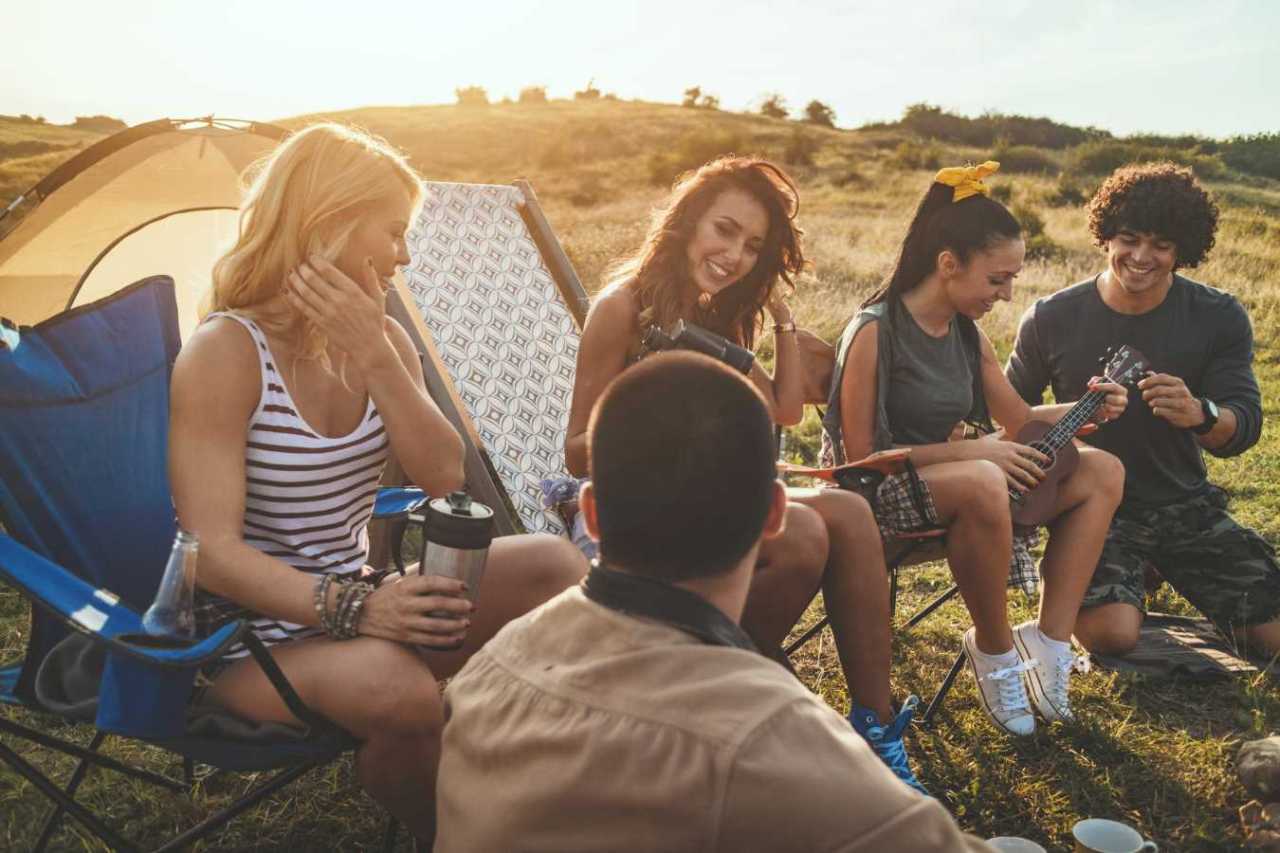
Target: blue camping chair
x=84, y=501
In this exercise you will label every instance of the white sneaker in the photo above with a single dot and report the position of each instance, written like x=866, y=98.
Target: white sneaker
x=1050, y=673
x=1000, y=688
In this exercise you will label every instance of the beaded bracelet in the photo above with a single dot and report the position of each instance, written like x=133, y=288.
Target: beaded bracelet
x=321, y=599
x=349, y=618
x=778, y=328
x=340, y=612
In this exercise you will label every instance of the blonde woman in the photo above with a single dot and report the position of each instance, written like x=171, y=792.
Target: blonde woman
x=286, y=402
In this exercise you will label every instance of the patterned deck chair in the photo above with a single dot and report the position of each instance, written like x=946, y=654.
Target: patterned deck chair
x=496, y=308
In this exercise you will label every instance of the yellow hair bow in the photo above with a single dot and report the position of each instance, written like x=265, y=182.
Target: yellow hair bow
x=967, y=180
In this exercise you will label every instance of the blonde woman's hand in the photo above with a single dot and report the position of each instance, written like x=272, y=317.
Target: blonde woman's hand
x=423, y=610
x=350, y=314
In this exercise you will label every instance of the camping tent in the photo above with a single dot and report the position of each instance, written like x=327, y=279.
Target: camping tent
x=159, y=197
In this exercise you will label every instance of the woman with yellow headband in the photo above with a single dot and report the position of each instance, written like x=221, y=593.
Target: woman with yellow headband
x=913, y=366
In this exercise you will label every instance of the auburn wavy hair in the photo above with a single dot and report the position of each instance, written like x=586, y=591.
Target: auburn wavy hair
x=658, y=272
x=305, y=197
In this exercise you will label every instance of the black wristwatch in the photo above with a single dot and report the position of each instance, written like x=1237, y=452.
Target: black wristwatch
x=1210, y=410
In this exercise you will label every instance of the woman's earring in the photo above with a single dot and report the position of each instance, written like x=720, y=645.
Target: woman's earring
x=704, y=300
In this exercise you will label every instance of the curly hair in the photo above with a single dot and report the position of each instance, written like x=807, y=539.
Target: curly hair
x=658, y=272
x=1156, y=198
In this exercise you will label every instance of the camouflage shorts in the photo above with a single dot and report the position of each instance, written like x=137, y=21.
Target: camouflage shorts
x=1227, y=571
x=897, y=513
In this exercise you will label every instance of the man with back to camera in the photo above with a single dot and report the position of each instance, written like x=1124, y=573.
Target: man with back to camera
x=633, y=713
x=1152, y=220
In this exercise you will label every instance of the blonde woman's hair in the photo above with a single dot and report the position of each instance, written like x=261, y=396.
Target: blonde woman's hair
x=304, y=198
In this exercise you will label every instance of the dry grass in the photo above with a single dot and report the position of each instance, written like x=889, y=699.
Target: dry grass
x=1156, y=753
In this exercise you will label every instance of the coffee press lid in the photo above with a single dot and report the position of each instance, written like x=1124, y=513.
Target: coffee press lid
x=456, y=521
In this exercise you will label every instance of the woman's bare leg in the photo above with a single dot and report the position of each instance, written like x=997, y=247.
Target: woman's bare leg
x=1086, y=501
x=787, y=577
x=386, y=694
x=972, y=500
x=855, y=588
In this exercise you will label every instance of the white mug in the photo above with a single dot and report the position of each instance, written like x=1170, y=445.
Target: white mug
x=1096, y=835
x=1013, y=844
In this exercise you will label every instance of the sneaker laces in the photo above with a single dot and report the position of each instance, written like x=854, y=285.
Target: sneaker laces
x=886, y=741
x=1013, y=697
x=1065, y=664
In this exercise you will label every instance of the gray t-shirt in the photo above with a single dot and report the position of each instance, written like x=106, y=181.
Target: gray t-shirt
x=1198, y=333
x=930, y=383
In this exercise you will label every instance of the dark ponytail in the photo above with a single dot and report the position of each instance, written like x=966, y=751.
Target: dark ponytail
x=964, y=227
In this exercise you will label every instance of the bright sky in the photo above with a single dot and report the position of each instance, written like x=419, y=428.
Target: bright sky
x=1142, y=65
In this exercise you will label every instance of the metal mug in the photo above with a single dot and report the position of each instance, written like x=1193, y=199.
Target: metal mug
x=1097, y=835
x=455, y=540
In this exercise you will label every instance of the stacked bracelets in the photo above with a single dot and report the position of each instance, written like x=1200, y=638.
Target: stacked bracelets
x=342, y=621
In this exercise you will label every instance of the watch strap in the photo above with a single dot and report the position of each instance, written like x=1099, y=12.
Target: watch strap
x=1210, y=417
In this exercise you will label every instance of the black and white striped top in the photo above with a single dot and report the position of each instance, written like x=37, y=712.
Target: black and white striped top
x=308, y=498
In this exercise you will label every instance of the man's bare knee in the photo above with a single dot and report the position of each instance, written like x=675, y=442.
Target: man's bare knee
x=1109, y=639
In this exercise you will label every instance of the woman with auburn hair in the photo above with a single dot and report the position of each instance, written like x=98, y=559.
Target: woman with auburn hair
x=286, y=402
x=913, y=365
x=721, y=254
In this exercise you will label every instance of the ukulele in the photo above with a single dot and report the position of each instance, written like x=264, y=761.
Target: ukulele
x=1125, y=367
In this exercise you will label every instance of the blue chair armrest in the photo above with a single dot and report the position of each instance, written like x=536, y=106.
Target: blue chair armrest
x=99, y=613
x=397, y=502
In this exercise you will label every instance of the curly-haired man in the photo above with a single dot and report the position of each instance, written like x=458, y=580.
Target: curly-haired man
x=1152, y=220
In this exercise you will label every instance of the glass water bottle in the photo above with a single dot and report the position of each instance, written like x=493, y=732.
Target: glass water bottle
x=172, y=614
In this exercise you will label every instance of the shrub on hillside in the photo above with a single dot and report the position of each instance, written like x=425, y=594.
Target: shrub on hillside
x=690, y=152
x=1256, y=155
x=819, y=113
x=102, y=124
x=773, y=106
x=695, y=98
x=1023, y=159
x=800, y=148
x=910, y=154
x=590, y=93
x=533, y=95
x=28, y=148
x=1002, y=192
x=935, y=123
x=472, y=96
x=1102, y=157
x=1039, y=245
x=1069, y=191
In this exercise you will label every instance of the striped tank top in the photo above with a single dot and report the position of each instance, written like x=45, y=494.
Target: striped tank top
x=308, y=498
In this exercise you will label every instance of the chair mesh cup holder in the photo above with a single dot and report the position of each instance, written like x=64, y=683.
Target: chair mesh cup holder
x=142, y=699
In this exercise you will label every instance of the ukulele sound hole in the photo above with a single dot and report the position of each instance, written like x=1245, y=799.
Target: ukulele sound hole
x=1046, y=450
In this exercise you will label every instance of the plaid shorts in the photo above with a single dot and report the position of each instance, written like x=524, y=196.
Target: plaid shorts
x=897, y=513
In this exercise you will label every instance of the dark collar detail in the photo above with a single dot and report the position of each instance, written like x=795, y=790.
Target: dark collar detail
x=650, y=598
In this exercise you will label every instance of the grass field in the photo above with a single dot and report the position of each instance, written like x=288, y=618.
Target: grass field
x=1158, y=754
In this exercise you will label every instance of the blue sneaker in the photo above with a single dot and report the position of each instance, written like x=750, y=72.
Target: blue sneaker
x=887, y=740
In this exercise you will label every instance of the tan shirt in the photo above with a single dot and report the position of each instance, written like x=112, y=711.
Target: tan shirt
x=578, y=728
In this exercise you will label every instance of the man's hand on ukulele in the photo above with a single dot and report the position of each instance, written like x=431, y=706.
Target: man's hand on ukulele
x=1021, y=463
x=1170, y=399
x=1114, y=404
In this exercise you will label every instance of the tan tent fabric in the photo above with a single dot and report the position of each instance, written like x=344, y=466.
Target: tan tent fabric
x=120, y=220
